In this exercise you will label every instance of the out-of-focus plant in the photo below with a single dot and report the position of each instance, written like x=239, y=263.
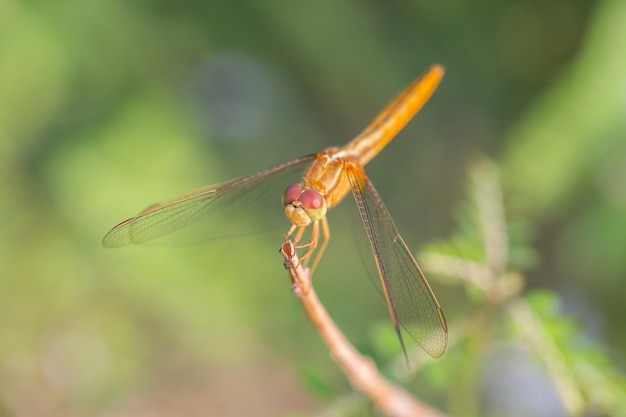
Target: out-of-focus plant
x=488, y=256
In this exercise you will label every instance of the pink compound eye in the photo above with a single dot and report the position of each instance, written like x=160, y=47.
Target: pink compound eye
x=311, y=200
x=292, y=193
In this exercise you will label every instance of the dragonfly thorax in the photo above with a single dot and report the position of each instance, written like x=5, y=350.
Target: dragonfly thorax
x=303, y=206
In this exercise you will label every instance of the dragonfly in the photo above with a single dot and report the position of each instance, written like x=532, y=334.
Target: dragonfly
x=310, y=186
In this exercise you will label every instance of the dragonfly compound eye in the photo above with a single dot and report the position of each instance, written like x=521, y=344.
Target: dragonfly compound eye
x=314, y=204
x=291, y=194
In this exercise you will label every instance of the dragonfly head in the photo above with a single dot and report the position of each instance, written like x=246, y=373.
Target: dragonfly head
x=303, y=206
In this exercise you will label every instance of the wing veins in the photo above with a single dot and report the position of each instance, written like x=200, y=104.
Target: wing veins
x=411, y=302
x=181, y=212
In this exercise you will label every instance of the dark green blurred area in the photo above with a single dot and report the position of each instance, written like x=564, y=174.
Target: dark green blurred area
x=109, y=106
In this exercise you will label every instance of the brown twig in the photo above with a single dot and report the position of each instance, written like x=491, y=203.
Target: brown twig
x=361, y=372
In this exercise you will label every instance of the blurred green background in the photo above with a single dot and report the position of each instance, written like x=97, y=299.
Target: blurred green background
x=107, y=106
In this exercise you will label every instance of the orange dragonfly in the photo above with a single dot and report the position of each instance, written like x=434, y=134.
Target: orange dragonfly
x=311, y=185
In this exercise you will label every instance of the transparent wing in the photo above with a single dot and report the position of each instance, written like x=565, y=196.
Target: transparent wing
x=246, y=205
x=411, y=301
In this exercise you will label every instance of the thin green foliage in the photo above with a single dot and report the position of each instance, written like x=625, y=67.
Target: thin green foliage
x=584, y=375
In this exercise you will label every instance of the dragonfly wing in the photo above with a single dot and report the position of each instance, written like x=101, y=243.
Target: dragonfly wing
x=221, y=210
x=411, y=302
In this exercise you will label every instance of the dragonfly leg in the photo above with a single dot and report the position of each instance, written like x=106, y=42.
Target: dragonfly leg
x=296, y=233
x=311, y=245
x=292, y=228
x=322, y=247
